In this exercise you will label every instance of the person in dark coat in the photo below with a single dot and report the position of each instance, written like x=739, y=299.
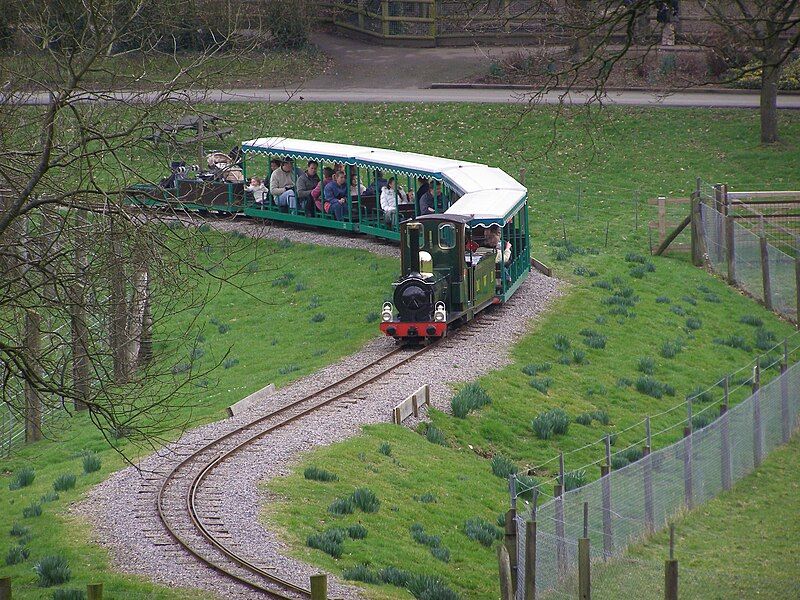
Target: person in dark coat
x=305, y=185
x=427, y=203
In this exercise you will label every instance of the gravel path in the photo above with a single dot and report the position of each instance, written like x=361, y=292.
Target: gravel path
x=123, y=507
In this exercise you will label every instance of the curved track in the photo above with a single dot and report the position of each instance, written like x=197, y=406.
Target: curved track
x=179, y=497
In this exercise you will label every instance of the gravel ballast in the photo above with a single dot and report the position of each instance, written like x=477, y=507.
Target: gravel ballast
x=122, y=509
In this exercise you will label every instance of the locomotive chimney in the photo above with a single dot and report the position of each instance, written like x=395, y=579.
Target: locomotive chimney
x=413, y=231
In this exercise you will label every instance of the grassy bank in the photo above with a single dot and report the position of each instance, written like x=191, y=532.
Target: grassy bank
x=269, y=333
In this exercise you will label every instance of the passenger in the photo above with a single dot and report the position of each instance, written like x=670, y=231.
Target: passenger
x=427, y=203
x=374, y=188
x=336, y=197
x=259, y=191
x=356, y=187
x=306, y=184
x=316, y=193
x=492, y=240
x=423, y=188
x=281, y=185
x=274, y=164
x=390, y=198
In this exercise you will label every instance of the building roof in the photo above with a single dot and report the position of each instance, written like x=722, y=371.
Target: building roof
x=488, y=193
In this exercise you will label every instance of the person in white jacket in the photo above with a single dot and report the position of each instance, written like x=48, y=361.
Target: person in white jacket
x=259, y=191
x=492, y=240
x=391, y=196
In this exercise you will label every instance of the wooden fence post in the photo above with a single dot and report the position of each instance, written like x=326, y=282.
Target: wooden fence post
x=671, y=569
x=605, y=480
x=797, y=287
x=5, y=588
x=758, y=441
x=33, y=404
x=561, y=546
x=584, y=563
x=786, y=427
x=687, y=458
x=649, y=513
x=724, y=431
x=511, y=544
x=319, y=587
x=506, y=588
x=385, y=17
x=662, y=219
x=530, y=560
x=730, y=237
x=765, y=277
x=718, y=221
x=94, y=591
x=697, y=255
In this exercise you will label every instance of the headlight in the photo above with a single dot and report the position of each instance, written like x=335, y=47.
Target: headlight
x=440, y=314
x=386, y=312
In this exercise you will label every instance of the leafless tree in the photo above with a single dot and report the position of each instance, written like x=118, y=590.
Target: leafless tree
x=90, y=289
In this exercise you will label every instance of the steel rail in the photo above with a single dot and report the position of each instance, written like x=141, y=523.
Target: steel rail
x=191, y=496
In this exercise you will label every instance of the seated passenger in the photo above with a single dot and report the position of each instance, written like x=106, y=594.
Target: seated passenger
x=427, y=203
x=423, y=188
x=356, y=187
x=281, y=185
x=316, y=193
x=374, y=188
x=259, y=191
x=306, y=184
x=492, y=240
x=390, y=198
x=274, y=164
x=336, y=197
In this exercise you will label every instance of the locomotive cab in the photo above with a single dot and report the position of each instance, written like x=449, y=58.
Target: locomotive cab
x=441, y=280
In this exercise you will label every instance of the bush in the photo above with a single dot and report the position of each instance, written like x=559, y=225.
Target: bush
x=632, y=454
x=342, y=506
x=435, y=436
x=646, y=365
x=34, y=509
x=601, y=416
x=693, y=323
x=574, y=479
x=16, y=555
x=418, y=535
x=653, y=388
x=385, y=448
x=751, y=320
x=230, y=363
x=366, y=500
x=503, y=467
x=734, y=341
x=533, y=369
x=670, y=349
x=662, y=300
x=373, y=316
x=18, y=530
x=712, y=297
x=638, y=271
x=360, y=573
x=635, y=258
x=579, y=357
x=700, y=395
x=50, y=496
x=52, y=570
x=526, y=485
x=618, y=461
x=22, y=478
x=441, y=553
x=73, y=594
x=765, y=339
x=427, y=587
x=394, y=576
x=703, y=419
x=329, y=541
x=357, y=532
x=565, y=359
x=181, y=368
x=594, y=339
x=584, y=419
x=689, y=300
x=471, y=397
x=427, y=498
x=91, y=463
x=318, y=318
x=561, y=343
x=501, y=521
x=481, y=531
x=540, y=384
x=64, y=482
x=603, y=285
x=624, y=382
x=678, y=310
x=542, y=426
x=290, y=368
x=317, y=474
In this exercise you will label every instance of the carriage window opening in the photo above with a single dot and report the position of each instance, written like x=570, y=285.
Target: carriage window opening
x=447, y=236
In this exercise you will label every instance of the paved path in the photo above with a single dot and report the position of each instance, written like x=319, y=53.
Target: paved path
x=378, y=95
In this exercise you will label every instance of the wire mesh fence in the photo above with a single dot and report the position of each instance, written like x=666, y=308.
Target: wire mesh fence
x=626, y=505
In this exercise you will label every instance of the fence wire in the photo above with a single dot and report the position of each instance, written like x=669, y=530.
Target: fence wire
x=640, y=498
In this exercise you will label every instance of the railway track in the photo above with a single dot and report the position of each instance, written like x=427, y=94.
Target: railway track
x=179, y=498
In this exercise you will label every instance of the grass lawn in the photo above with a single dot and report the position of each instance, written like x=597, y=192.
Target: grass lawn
x=269, y=337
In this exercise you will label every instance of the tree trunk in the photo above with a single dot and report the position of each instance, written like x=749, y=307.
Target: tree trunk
x=80, y=332
x=118, y=305
x=769, y=104
x=33, y=404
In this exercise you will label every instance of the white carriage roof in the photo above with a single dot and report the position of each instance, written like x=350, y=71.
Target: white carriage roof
x=488, y=193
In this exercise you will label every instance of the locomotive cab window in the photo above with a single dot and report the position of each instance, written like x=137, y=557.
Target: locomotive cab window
x=420, y=233
x=447, y=236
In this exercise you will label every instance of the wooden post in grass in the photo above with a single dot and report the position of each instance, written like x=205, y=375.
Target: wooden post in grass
x=758, y=438
x=687, y=457
x=94, y=591
x=765, y=278
x=671, y=569
x=511, y=543
x=5, y=588
x=605, y=481
x=584, y=565
x=506, y=588
x=730, y=238
x=786, y=427
x=797, y=287
x=724, y=436
x=718, y=222
x=558, y=494
x=530, y=559
x=319, y=587
x=696, y=231
x=647, y=471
